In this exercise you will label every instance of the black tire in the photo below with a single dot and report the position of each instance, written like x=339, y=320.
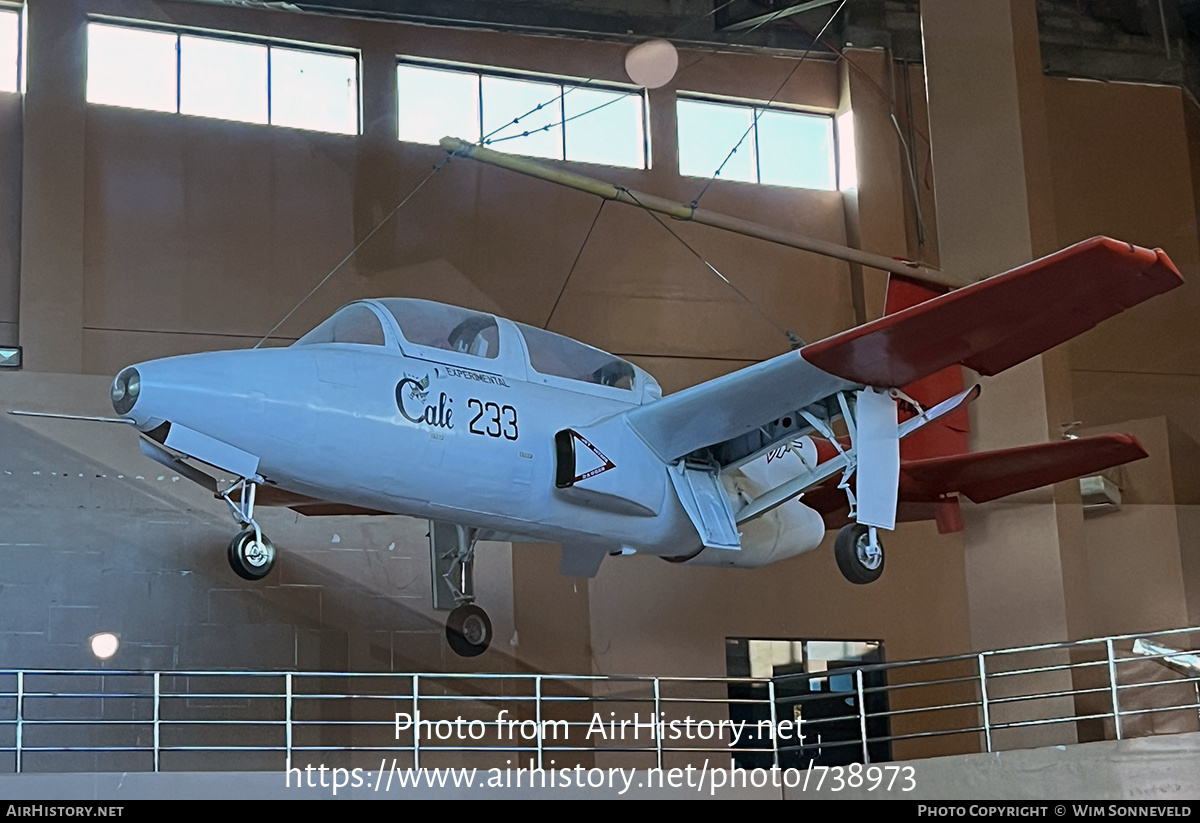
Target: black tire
x=468, y=630
x=247, y=561
x=849, y=551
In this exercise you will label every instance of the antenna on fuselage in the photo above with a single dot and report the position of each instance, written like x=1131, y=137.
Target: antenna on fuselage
x=56, y=416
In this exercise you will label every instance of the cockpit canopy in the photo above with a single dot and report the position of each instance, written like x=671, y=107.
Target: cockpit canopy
x=423, y=324
x=355, y=323
x=559, y=356
x=449, y=328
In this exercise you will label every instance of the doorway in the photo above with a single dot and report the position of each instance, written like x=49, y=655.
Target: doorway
x=817, y=717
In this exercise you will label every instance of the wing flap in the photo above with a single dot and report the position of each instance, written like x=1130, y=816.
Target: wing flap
x=985, y=476
x=1001, y=321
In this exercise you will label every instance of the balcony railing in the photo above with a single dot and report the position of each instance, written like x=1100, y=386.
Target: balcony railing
x=112, y=720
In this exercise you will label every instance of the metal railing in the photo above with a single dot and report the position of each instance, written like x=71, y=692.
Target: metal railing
x=107, y=720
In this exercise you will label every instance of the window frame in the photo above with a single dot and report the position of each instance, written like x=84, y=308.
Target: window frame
x=21, y=13
x=755, y=106
x=248, y=39
x=564, y=82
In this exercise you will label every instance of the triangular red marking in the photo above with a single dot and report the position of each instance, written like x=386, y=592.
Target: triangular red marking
x=608, y=464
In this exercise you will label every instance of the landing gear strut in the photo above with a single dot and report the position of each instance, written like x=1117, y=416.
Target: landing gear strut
x=859, y=553
x=468, y=629
x=251, y=555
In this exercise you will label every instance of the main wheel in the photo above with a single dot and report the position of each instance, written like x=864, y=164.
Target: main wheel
x=468, y=630
x=859, y=561
x=249, y=557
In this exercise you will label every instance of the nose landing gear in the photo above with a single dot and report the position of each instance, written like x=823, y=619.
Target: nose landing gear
x=452, y=551
x=251, y=555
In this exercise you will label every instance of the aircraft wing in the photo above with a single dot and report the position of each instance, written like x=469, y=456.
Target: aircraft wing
x=732, y=405
x=999, y=322
x=985, y=476
x=987, y=326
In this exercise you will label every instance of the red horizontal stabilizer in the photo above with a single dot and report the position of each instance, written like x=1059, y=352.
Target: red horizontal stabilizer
x=985, y=476
x=999, y=322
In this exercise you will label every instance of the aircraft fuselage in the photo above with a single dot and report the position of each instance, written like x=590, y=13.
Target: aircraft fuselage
x=381, y=430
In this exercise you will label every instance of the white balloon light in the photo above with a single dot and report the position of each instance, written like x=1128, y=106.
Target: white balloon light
x=104, y=645
x=652, y=64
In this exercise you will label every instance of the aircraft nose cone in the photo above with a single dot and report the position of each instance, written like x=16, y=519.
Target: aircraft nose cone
x=125, y=390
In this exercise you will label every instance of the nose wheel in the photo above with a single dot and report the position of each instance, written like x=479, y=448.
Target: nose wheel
x=251, y=555
x=859, y=553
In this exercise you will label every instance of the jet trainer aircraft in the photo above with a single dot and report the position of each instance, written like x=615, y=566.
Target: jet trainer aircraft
x=496, y=430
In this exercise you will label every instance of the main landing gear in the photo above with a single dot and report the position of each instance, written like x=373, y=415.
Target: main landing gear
x=452, y=550
x=468, y=630
x=859, y=553
x=251, y=555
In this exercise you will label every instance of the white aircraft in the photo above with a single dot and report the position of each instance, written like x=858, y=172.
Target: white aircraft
x=497, y=430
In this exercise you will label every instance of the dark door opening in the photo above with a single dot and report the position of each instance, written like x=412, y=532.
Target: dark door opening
x=817, y=719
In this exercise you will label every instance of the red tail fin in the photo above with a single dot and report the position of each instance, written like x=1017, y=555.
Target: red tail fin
x=949, y=434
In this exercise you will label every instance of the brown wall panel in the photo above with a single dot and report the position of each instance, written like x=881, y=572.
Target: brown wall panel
x=1121, y=167
x=1104, y=397
x=198, y=225
x=1134, y=554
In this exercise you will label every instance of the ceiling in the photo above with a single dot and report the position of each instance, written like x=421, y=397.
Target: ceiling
x=1156, y=41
